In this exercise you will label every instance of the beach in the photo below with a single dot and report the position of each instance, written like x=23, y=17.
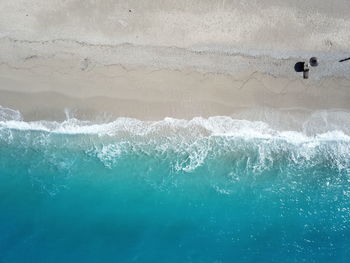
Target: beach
x=174, y=131
x=151, y=61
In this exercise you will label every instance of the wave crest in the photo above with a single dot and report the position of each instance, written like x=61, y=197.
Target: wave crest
x=186, y=145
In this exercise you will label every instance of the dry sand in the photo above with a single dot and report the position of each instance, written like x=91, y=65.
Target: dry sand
x=156, y=59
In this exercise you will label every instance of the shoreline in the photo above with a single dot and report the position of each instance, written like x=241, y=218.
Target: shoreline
x=44, y=87
x=293, y=125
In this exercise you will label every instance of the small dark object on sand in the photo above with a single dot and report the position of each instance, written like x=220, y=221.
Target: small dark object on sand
x=299, y=66
x=313, y=62
x=306, y=71
x=302, y=66
x=345, y=59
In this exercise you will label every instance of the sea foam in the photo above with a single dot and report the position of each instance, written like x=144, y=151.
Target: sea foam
x=241, y=183
x=186, y=144
x=319, y=126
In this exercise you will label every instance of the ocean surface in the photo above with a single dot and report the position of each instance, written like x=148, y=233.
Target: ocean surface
x=202, y=190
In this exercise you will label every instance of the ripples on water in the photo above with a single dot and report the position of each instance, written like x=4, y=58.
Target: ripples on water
x=205, y=190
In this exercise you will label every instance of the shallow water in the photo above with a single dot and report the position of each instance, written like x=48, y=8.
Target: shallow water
x=205, y=190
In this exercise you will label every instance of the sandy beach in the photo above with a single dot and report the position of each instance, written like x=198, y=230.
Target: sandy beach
x=176, y=131
x=159, y=59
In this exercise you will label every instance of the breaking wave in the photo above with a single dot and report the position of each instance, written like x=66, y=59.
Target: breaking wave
x=246, y=185
x=188, y=144
x=319, y=126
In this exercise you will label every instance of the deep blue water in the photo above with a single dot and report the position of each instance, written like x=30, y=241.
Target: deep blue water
x=173, y=195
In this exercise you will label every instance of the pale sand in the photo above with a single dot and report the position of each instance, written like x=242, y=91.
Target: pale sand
x=100, y=61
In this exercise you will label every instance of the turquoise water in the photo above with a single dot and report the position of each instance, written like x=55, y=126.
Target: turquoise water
x=217, y=190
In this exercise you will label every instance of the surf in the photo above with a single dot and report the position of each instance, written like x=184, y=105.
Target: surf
x=236, y=184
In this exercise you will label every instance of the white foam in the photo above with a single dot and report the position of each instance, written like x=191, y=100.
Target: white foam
x=213, y=126
x=7, y=114
x=220, y=126
x=189, y=143
x=109, y=154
